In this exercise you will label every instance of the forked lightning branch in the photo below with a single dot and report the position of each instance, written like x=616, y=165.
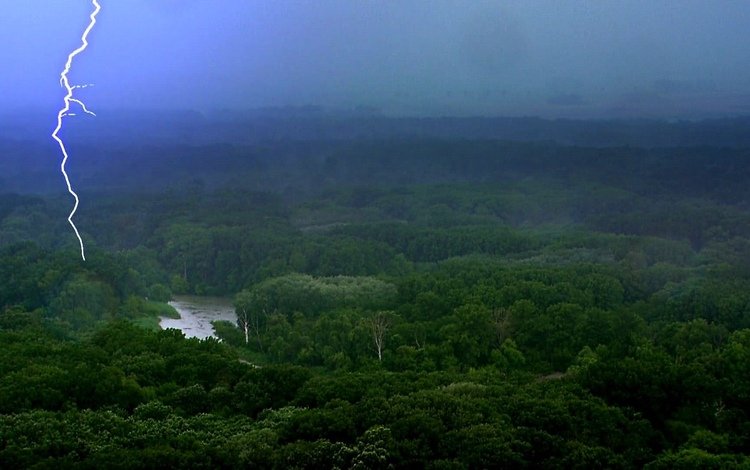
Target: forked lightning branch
x=65, y=112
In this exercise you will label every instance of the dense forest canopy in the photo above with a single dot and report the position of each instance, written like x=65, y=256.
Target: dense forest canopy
x=430, y=294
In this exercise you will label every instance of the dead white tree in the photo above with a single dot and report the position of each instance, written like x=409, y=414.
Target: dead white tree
x=243, y=321
x=251, y=315
x=378, y=325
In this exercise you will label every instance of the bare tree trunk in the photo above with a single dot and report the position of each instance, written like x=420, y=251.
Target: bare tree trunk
x=379, y=325
x=243, y=321
x=420, y=338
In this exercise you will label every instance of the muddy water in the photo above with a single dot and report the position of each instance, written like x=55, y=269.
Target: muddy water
x=197, y=313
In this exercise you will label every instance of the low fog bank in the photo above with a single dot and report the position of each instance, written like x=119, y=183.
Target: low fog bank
x=126, y=128
x=302, y=150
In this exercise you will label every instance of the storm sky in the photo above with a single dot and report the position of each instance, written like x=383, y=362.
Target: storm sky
x=408, y=57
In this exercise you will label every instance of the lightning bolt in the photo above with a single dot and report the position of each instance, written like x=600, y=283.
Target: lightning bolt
x=65, y=112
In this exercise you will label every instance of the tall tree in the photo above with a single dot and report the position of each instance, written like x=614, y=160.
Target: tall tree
x=252, y=311
x=379, y=324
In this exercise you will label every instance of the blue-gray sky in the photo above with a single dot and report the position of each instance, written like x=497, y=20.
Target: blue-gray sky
x=554, y=58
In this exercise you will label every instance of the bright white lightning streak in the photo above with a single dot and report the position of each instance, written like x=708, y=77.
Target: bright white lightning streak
x=65, y=111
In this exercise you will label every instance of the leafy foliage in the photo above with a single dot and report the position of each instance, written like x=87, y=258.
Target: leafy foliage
x=496, y=304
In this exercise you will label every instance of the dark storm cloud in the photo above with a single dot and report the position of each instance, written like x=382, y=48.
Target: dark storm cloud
x=493, y=43
x=426, y=56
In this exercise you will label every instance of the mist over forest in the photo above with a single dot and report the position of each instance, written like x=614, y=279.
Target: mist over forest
x=498, y=242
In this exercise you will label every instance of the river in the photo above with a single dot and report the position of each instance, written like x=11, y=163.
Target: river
x=197, y=313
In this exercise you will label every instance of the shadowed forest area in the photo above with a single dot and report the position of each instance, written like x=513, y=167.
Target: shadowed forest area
x=411, y=293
